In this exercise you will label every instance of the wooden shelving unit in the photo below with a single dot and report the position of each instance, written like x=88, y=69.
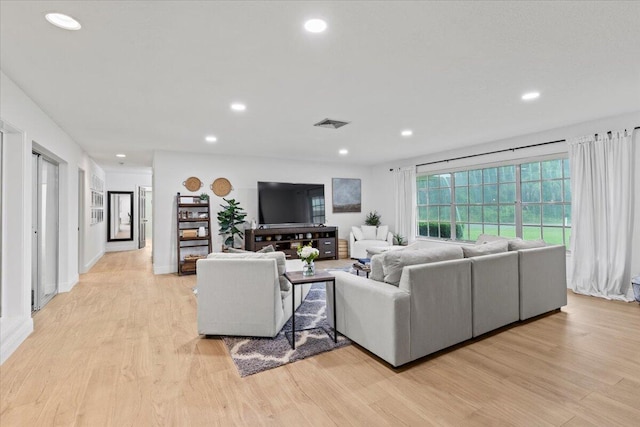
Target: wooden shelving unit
x=287, y=240
x=191, y=214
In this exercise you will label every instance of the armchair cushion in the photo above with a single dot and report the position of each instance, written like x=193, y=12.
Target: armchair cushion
x=369, y=232
x=357, y=233
x=381, y=233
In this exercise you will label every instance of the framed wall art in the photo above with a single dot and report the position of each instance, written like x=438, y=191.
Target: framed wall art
x=347, y=195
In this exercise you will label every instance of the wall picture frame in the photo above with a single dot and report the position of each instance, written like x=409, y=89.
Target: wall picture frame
x=346, y=195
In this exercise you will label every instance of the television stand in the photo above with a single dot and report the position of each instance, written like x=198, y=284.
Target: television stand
x=289, y=239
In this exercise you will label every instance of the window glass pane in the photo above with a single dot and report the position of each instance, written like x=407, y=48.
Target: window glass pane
x=475, y=194
x=462, y=214
x=445, y=213
x=567, y=169
x=530, y=171
x=475, y=230
x=445, y=180
x=462, y=178
x=531, y=214
x=567, y=237
x=475, y=214
x=531, y=233
x=422, y=182
x=491, y=193
x=462, y=195
x=475, y=177
x=491, y=214
x=553, y=235
x=552, y=215
x=507, y=214
x=552, y=191
x=530, y=192
x=507, y=193
x=445, y=230
x=422, y=213
x=567, y=215
x=507, y=173
x=552, y=169
x=490, y=175
x=508, y=231
x=465, y=231
x=434, y=197
x=434, y=181
x=445, y=196
x=422, y=228
x=422, y=197
x=567, y=190
x=491, y=229
x=432, y=213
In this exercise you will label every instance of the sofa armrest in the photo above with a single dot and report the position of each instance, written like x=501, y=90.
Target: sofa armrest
x=373, y=314
x=543, y=280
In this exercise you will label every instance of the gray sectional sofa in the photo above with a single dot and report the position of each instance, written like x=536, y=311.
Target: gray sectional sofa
x=418, y=301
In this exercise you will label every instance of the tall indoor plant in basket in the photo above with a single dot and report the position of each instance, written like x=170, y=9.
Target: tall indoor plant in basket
x=230, y=218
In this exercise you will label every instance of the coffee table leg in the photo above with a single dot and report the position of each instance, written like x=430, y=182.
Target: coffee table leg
x=293, y=316
x=335, y=309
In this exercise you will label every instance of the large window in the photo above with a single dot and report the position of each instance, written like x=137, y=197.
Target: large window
x=531, y=200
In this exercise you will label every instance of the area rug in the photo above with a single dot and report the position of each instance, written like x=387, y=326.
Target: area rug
x=253, y=355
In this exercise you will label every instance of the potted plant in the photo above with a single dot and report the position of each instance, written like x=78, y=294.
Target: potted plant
x=398, y=239
x=204, y=197
x=373, y=218
x=229, y=219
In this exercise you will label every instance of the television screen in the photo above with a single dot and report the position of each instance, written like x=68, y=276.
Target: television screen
x=286, y=203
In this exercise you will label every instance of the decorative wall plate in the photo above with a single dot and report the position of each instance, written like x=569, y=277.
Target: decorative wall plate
x=221, y=187
x=193, y=184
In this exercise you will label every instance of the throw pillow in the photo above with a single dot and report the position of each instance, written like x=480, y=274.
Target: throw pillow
x=369, y=232
x=394, y=261
x=486, y=238
x=357, y=233
x=237, y=251
x=494, y=247
x=517, y=244
x=381, y=233
x=377, y=273
x=266, y=249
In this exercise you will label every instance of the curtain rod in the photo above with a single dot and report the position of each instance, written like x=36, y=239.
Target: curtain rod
x=497, y=151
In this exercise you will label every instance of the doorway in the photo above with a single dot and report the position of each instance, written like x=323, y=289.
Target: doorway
x=81, y=208
x=145, y=216
x=44, y=226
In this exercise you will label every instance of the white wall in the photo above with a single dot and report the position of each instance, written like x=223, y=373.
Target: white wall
x=29, y=125
x=171, y=169
x=382, y=179
x=126, y=181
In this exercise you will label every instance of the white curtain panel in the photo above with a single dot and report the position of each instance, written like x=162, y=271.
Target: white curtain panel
x=602, y=206
x=405, y=180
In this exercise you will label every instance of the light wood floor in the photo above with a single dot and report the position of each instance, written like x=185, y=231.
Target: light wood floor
x=121, y=349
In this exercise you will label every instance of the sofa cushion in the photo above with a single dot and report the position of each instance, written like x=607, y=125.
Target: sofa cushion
x=357, y=233
x=381, y=232
x=394, y=261
x=266, y=249
x=486, y=238
x=488, y=248
x=369, y=232
x=377, y=272
x=281, y=262
x=517, y=244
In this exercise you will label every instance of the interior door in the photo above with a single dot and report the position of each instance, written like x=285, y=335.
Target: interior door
x=142, y=212
x=44, y=279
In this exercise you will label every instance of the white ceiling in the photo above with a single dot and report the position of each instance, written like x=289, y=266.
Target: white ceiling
x=146, y=75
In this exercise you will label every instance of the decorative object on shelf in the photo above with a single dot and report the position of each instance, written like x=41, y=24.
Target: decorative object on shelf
x=278, y=237
x=308, y=235
x=221, y=187
x=346, y=193
x=254, y=225
x=202, y=232
x=373, y=218
x=229, y=219
x=308, y=254
x=204, y=198
x=192, y=183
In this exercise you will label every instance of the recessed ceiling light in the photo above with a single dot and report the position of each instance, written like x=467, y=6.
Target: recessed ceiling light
x=315, y=25
x=343, y=152
x=406, y=132
x=210, y=138
x=238, y=107
x=63, y=21
x=530, y=95
x=121, y=155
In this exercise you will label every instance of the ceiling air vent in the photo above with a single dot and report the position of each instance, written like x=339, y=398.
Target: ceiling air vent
x=331, y=124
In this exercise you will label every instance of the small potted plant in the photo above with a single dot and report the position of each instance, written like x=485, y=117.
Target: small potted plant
x=307, y=254
x=373, y=218
x=204, y=197
x=398, y=239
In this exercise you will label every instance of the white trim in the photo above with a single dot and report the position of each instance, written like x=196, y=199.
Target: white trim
x=497, y=164
x=13, y=332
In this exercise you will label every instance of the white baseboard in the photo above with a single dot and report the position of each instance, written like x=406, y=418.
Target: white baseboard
x=13, y=332
x=67, y=286
x=93, y=261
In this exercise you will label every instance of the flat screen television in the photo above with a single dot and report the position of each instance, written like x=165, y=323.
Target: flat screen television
x=283, y=204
